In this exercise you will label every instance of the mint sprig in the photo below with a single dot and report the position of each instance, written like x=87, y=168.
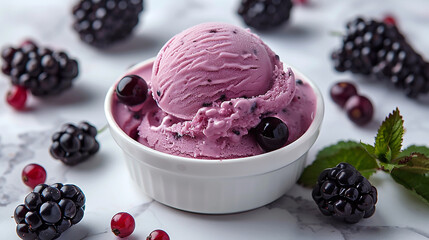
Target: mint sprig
x=414, y=149
x=388, y=141
x=414, y=175
x=408, y=167
x=350, y=152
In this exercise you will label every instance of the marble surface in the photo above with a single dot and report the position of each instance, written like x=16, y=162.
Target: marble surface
x=304, y=43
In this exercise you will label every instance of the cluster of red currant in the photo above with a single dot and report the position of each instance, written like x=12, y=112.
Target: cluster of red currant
x=122, y=223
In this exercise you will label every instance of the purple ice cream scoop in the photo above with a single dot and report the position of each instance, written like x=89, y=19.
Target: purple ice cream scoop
x=208, y=87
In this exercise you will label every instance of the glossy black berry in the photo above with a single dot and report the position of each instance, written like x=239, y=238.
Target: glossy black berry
x=103, y=22
x=69, y=191
x=33, y=201
x=265, y=14
x=25, y=232
x=41, y=70
x=131, y=90
x=342, y=192
x=33, y=220
x=47, y=217
x=74, y=144
x=48, y=233
x=271, y=133
x=50, y=212
x=20, y=212
x=359, y=110
x=78, y=216
x=341, y=91
x=39, y=188
x=380, y=50
x=63, y=225
x=51, y=194
x=68, y=207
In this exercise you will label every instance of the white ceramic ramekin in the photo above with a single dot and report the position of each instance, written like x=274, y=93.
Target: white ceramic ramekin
x=215, y=186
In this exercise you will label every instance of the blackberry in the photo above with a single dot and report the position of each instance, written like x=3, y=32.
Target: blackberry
x=342, y=192
x=41, y=70
x=103, y=22
x=48, y=211
x=374, y=48
x=265, y=14
x=74, y=144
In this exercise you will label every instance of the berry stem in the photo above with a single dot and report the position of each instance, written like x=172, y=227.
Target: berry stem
x=103, y=129
x=387, y=167
x=336, y=33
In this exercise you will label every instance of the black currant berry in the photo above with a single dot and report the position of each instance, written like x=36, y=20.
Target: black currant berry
x=131, y=90
x=359, y=109
x=341, y=91
x=271, y=133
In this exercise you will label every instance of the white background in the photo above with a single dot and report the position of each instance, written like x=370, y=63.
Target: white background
x=305, y=42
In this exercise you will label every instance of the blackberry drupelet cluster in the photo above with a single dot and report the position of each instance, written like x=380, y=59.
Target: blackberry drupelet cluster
x=41, y=70
x=49, y=210
x=103, y=22
x=378, y=49
x=342, y=192
x=265, y=14
x=74, y=144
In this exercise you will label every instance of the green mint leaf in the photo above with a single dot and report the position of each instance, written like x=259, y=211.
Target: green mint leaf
x=369, y=149
x=414, y=149
x=414, y=175
x=414, y=179
x=333, y=149
x=406, y=155
x=388, y=141
x=387, y=167
x=418, y=160
x=350, y=152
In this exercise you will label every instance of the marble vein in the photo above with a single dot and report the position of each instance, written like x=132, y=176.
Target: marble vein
x=140, y=209
x=11, y=154
x=308, y=217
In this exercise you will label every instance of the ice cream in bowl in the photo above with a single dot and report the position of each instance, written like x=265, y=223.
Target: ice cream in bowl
x=216, y=123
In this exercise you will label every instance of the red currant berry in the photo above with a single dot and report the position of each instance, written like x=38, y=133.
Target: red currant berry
x=341, y=92
x=131, y=90
x=300, y=2
x=33, y=174
x=17, y=97
x=158, y=235
x=389, y=20
x=27, y=42
x=359, y=110
x=122, y=224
